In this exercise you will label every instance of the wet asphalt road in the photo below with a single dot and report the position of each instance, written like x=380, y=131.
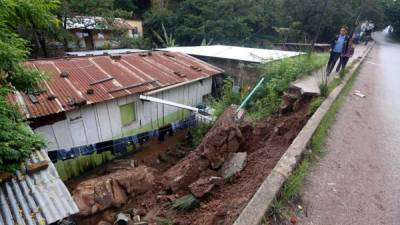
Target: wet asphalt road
x=358, y=180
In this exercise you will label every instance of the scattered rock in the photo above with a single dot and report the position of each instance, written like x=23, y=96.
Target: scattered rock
x=109, y=216
x=293, y=220
x=287, y=102
x=112, y=190
x=166, y=198
x=122, y=219
x=201, y=187
x=212, y=152
x=141, y=223
x=102, y=222
x=121, y=165
x=136, y=219
x=233, y=165
x=138, y=212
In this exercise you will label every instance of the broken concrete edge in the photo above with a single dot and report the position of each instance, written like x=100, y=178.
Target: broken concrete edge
x=259, y=204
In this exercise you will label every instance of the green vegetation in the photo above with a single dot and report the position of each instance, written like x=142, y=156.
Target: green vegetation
x=17, y=141
x=229, y=97
x=186, y=202
x=392, y=15
x=257, y=23
x=198, y=132
x=290, y=189
x=278, y=76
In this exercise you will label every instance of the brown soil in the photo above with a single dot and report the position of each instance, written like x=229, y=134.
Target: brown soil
x=264, y=140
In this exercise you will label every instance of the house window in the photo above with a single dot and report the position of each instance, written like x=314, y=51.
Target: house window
x=128, y=113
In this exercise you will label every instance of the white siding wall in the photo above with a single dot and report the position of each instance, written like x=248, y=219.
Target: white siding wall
x=102, y=122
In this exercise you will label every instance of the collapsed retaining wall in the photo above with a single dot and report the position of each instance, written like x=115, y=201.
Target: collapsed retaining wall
x=256, y=208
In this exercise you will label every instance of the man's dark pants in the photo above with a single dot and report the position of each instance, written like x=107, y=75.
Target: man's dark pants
x=342, y=63
x=332, y=61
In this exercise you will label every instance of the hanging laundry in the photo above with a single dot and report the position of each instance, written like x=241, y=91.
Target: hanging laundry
x=104, y=146
x=73, y=153
x=119, y=146
x=62, y=154
x=52, y=155
x=143, y=137
x=153, y=133
x=87, y=149
x=162, y=131
x=134, y=139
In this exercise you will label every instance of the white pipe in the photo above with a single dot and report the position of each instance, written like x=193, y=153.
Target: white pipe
x=162, y=101
x=175, y=85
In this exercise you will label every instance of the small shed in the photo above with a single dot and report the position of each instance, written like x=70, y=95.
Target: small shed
x=35, y=198
x=239, y=62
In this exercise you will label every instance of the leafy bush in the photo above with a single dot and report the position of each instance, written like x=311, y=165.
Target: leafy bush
x=229, y=97
x=316, y=104
x=278, y=76
x=198, y=133
x=17, y=141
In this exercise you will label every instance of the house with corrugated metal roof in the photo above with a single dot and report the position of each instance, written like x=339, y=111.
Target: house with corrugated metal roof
x=240, y=63
x=35, y=195
x=89, y=102
x=93, y=32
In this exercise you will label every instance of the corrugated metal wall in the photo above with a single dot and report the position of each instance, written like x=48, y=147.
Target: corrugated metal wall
x=101, y=122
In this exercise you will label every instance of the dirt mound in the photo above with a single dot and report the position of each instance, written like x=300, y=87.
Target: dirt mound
x=221, y=200
x=112, y=190
x=266, y=140
x=223, y=138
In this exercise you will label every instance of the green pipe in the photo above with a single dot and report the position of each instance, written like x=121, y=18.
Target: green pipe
x=249, y=96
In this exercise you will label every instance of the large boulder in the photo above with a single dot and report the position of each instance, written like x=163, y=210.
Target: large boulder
x=223, y=138
x=112, y=190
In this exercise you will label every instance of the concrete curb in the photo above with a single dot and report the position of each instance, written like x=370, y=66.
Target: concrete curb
x=256, y=208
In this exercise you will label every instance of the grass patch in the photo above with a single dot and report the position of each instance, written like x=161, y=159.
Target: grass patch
x=278, y=75
x=290, y=190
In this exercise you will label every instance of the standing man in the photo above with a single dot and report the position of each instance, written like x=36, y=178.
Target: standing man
x=344, y=58
x=338, y=47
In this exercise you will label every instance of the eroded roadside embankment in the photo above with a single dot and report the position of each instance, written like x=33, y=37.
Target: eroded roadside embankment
x=221, y=198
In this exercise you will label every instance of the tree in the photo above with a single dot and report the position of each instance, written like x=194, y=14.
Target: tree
x=17, y=141
x=391, y=9
x=223, y=21
x=305, y=15
x=31, y=19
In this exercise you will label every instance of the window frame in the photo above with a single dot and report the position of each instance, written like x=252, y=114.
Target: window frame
x=134, y=114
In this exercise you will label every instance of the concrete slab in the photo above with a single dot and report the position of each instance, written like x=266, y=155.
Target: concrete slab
x=309, y=85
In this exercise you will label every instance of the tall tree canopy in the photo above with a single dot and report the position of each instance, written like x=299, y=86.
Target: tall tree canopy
x=392, y=13
x=16, y=140
x=251, y=22
x=223, y=21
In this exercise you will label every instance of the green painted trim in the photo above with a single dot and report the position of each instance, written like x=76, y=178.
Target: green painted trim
x=74, y=167
x=155, y=124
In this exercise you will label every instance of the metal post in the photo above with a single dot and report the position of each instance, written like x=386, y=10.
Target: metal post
x=249, y=96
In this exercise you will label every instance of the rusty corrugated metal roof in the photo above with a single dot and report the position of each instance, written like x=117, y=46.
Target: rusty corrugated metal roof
x=93, y=79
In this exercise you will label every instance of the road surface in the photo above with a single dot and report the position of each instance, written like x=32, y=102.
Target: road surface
x=358, y=180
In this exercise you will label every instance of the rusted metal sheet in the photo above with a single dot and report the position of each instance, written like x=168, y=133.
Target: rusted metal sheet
x=91, y=79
